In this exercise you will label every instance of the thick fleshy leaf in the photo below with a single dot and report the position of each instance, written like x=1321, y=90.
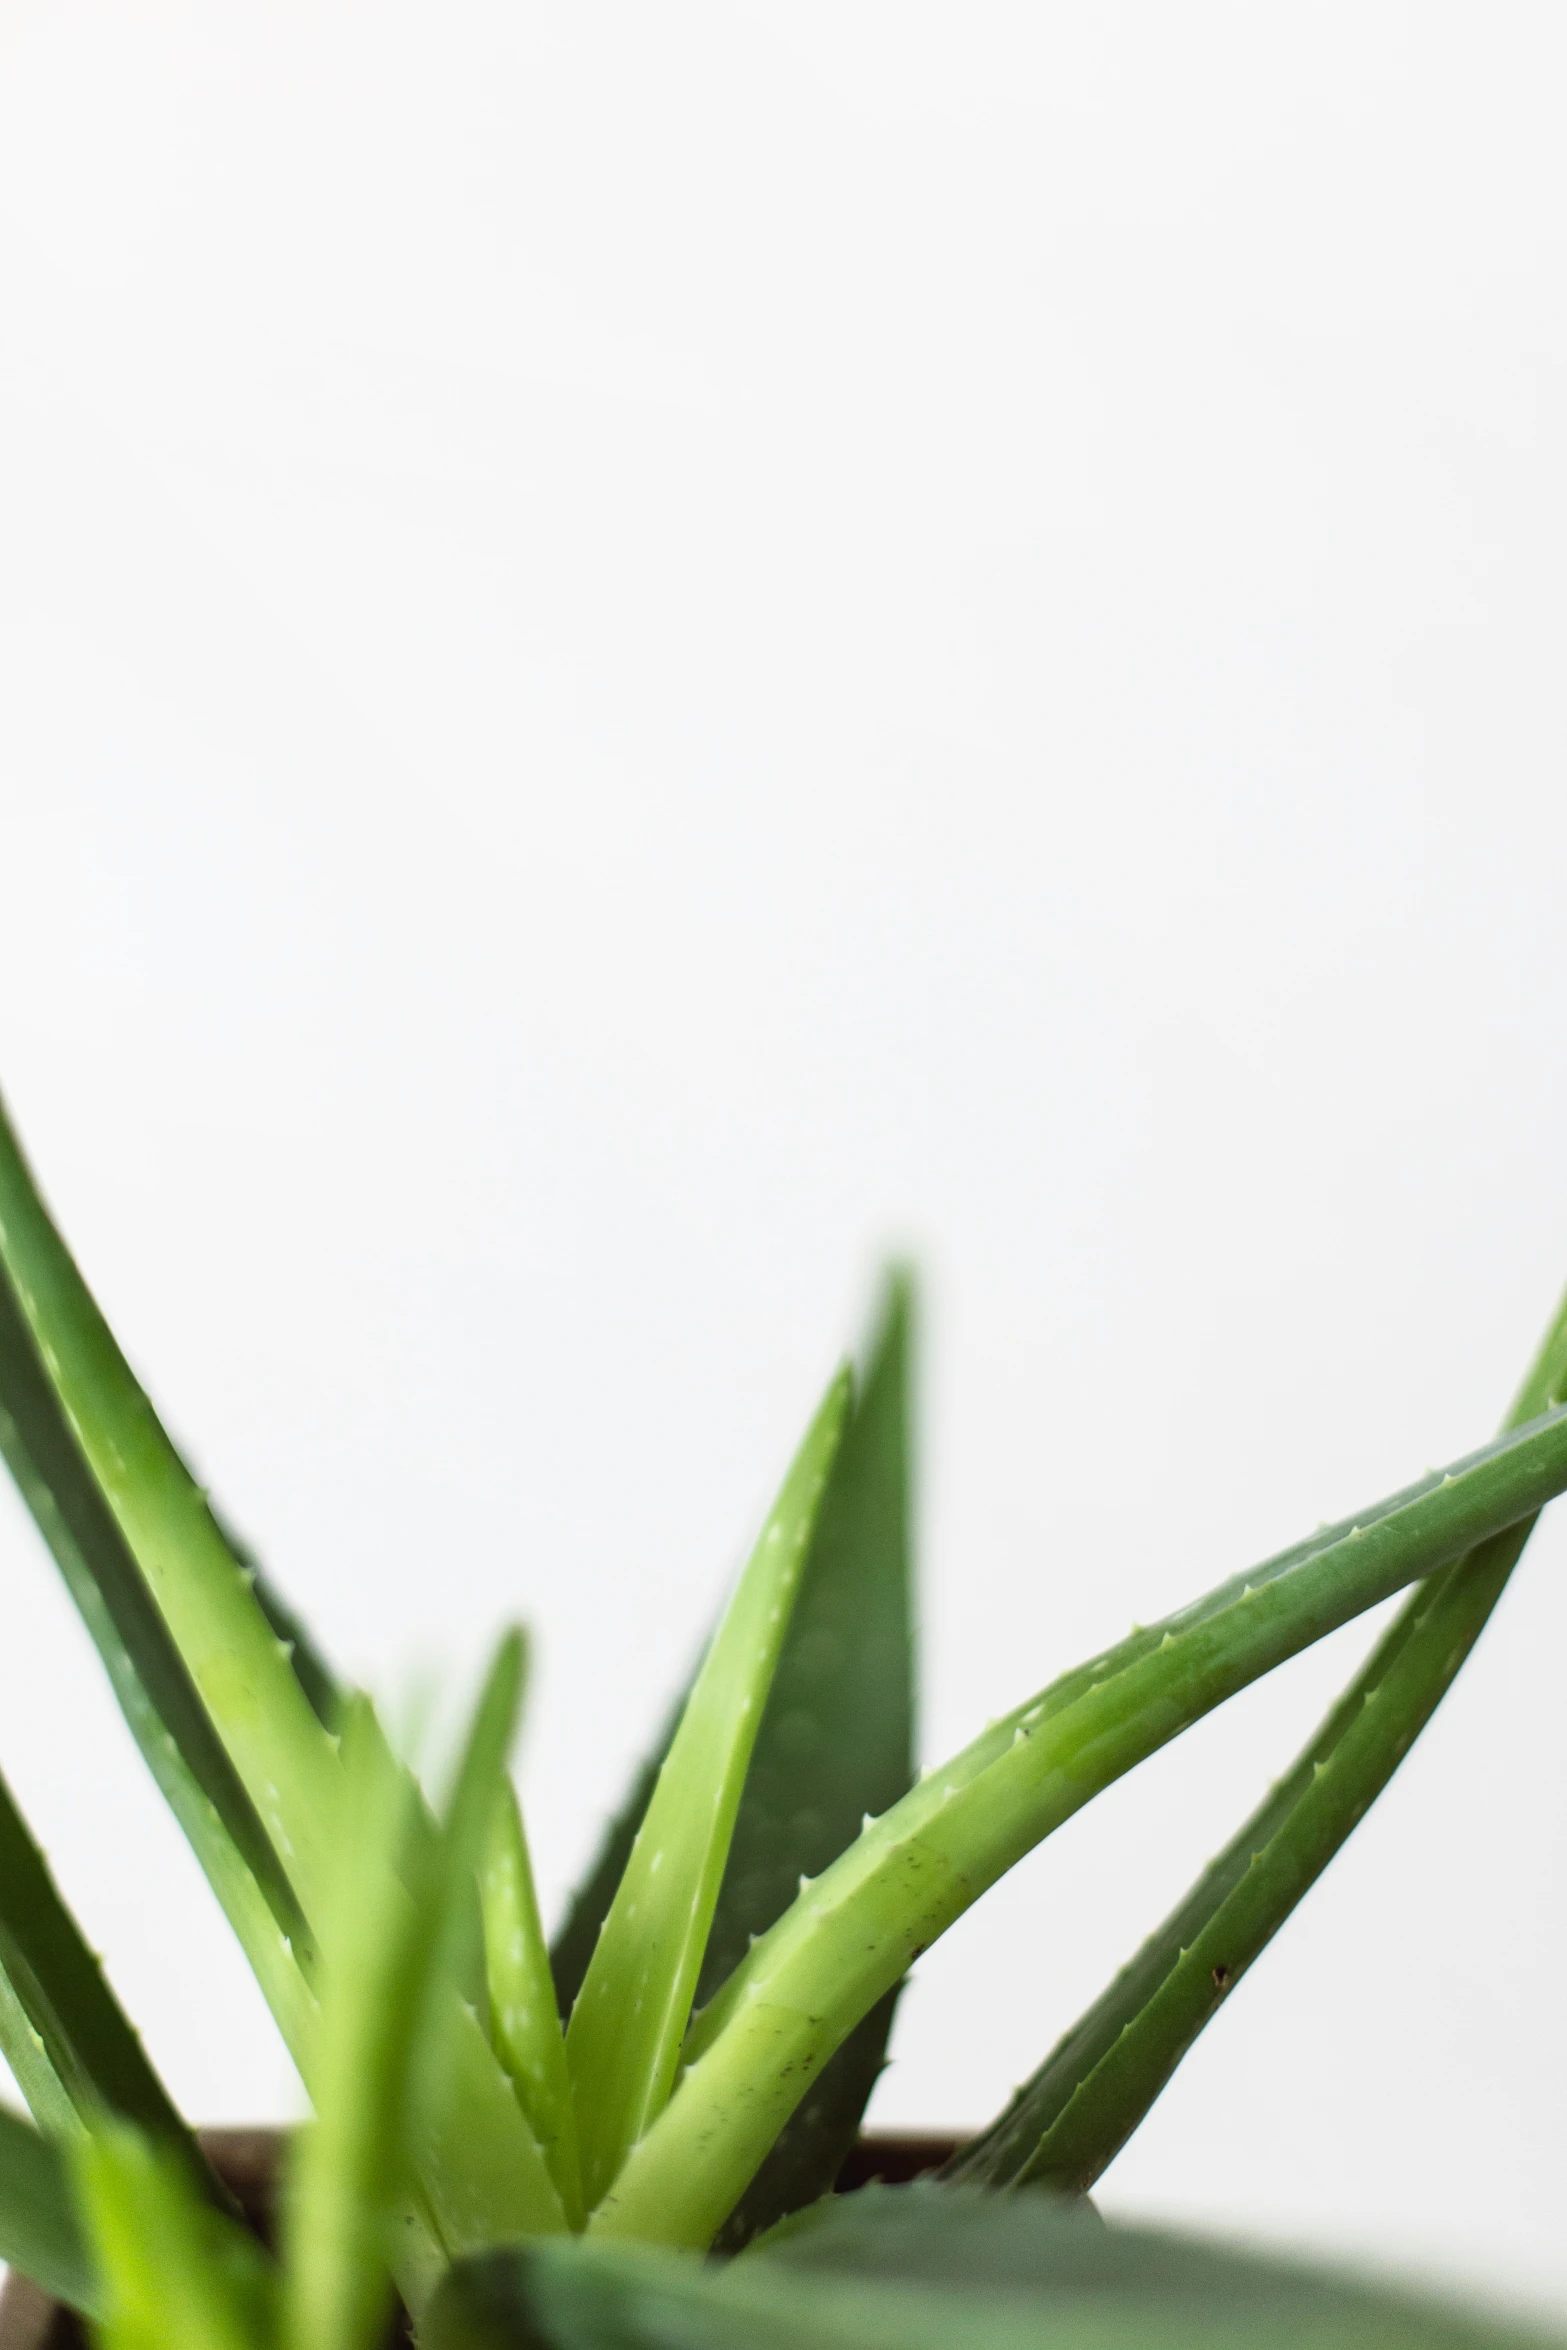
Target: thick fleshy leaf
x=576, y=1938
x=623, y=2041
x=159, y=1699
x=323, y=1691
x=40, y=2233
x=170, y=2268
x=350, y=2169
x=241, y=1671
x=755, y=2051
x=1077, y=2111
x=836, y=1744
x=419, y=2145
x=915, y=2268
x=525, y=2023
x=75, y=2028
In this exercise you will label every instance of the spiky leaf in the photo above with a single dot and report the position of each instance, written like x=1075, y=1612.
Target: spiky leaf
x=623, y=2042
x=844, y=1943
x=524, y=2020
x=156, y=1692
x=836, y=1744
x=1072, y=2117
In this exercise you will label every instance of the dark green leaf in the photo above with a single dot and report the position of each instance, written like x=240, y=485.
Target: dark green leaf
x=753, y=2054
x=922, y=2268
x=39, y=2230
x=158, y=1696
x=836, y=1744
x=183, y=1571
x=89, y=2044
x=1077, y=2111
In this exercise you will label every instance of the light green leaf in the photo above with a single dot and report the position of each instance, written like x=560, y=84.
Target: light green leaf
x=171, y=2269
x=349, y=2170
x=419, y=2147
x=756, y=2049
x=524, y=2021
x=572, y=1950
x=623, y=2042
x=480, y=2164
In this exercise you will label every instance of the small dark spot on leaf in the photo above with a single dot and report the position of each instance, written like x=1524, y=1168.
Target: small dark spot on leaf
x=1221, y=1975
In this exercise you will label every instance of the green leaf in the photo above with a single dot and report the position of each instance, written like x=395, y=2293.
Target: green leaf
x=851, y=1936
x=81, y=2030
x=323, y=1691
x=39, y=2230
x=170, y=1550
x=919, y=2268
x=572, y=1950
x=524, y=2020
x=419, y=2147
x=171, y=2268
x=623, y=2042
x=156, y=1693
x=481, y=2166
x=836, y=1744
x=49, y=2101
x=1070, y=2120
x=349, y=2170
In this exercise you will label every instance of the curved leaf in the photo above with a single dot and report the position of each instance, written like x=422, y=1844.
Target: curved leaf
x=754, y=2052
x=1070, y=2120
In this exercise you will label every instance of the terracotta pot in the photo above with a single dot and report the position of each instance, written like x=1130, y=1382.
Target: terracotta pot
x=246, y=2160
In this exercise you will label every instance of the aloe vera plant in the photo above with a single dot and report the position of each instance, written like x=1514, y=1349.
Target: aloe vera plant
x=631, y=2136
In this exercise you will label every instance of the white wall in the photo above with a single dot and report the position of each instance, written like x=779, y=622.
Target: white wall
x=645, y=650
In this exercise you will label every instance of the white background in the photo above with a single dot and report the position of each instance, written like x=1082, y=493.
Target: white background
x=645, y=651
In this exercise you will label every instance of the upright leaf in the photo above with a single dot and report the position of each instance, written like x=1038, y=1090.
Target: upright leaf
x=836, y=1744
x=572, y=1950
x=623, y=2042
x=418, y=2148
x=171, y=2268
x=1077, y=2111
x=524, y=2020
x=841, y=1946
x=350, y=2169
